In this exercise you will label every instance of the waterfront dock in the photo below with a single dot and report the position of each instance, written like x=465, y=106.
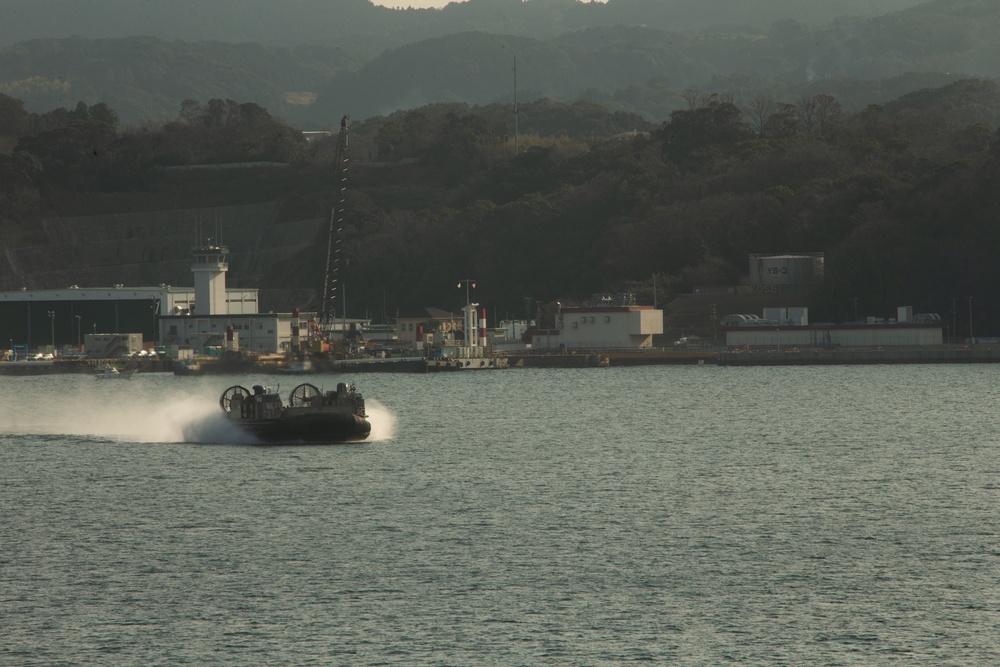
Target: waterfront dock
x=948, y=354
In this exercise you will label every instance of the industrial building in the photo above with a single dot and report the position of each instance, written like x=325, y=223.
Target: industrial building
x=199, y=317
x=411, y=328
x=791, y=328
x=609, y=322
x=209, y=321
x=800, y=269
x=62, y=318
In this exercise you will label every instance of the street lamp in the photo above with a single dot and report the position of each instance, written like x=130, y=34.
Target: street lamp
x=152, y=308
x=954, y=315
x=78, y=333
x=52, y=321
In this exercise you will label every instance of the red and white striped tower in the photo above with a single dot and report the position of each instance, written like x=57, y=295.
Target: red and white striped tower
x=469, y=315
x=482, y=329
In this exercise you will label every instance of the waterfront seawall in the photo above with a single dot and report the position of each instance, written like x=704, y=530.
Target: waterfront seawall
x=847, y=356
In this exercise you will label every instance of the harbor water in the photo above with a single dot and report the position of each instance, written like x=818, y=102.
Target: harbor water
x=667, y=515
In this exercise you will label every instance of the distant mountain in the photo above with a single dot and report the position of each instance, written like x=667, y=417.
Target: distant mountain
x=943, y=35
x=645, y=69
x=701, y=14
x=287, y=22
x=638, y=69
x=143, y=78
x=359, y=25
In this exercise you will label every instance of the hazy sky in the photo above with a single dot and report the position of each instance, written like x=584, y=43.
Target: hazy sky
x=419, y=4
x=416, y=4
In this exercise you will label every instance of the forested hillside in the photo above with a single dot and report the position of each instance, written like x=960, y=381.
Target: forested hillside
x=901, y=197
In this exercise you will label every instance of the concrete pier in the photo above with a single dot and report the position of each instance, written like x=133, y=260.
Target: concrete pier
x=844, y=356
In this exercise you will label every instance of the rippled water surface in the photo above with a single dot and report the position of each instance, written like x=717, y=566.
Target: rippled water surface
x=667, y=515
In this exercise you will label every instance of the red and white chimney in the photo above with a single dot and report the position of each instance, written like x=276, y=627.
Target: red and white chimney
x=482, y=328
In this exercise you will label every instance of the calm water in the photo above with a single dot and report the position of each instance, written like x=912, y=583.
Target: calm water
x=669, y=515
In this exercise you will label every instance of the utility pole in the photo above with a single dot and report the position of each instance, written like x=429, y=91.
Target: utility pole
x=972, y=336
x=52, y=321
x=954, y=315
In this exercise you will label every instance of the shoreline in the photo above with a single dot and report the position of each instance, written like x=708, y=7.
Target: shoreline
x=964, y=354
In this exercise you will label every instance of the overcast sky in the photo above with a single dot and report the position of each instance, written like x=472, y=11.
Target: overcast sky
x=419, y=4
x=416, y=4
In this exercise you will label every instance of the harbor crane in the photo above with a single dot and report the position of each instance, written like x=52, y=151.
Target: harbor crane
x=327, y=311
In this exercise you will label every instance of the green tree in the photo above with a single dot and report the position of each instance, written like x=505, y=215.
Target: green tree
x=14, y=122
x=715, y=124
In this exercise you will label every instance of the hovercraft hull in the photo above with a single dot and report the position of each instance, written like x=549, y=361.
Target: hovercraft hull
x=312, y=428
x=311, y=416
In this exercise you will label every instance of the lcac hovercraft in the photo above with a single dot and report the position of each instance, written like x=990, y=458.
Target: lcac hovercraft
x=311, y=415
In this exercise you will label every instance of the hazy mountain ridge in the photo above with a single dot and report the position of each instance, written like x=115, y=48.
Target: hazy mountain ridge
x=600, y=64
x=357, y=24
x=632, y=68
x=147, y=78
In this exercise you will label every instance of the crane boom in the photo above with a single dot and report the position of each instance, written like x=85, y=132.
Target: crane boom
x=331, y=275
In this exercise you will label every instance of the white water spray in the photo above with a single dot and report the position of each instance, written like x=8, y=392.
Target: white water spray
x=138, y=410
x=382, y=419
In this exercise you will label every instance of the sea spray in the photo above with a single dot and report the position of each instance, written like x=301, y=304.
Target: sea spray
x=382, y=419
x=143, y=409
x=121, y=409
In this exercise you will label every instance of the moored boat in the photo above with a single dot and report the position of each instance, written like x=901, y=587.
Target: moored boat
x=112, y=373
x=310, y=415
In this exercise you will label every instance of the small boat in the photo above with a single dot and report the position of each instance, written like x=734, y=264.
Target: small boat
x=112, y=373
x=310, y=416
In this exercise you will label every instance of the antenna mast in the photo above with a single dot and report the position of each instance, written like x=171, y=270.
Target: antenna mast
x=515, y=105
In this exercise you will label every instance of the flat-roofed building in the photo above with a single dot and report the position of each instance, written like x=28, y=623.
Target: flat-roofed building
x=601, y=327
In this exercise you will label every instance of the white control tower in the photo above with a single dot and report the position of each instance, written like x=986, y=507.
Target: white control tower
x=209, y=268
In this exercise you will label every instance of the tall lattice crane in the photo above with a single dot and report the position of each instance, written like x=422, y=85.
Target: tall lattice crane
x=331, y=276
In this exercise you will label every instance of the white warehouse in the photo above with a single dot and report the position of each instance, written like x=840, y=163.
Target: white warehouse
x=595, y=328
x=837, y=335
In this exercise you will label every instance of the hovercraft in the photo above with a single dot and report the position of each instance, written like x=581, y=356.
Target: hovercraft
x=310, y=415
